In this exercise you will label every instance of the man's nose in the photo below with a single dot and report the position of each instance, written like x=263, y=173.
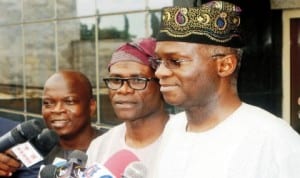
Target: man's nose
x=125, y=88
x=162, y=71
x=59, y=107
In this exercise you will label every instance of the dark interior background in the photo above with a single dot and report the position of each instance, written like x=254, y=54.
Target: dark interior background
x=260, y=79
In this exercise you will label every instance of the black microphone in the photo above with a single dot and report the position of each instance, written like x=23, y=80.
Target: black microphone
x=45, y=141
x=73, y=168
x=21, y=133
x=135, y=169
x=33, y=151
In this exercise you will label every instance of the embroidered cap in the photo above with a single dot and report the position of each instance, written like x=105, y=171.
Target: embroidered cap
x=139, y=51
x=215, y=22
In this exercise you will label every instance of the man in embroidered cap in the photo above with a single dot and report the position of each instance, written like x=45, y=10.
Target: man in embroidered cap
x=219, y=136
x=136, y=99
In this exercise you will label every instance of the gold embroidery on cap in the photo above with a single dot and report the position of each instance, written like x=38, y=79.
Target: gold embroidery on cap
x=219, y=21
x=181, y=18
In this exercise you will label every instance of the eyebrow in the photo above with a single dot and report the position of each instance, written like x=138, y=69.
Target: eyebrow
x=69, y=95
x=131, y=75
x=185, y=55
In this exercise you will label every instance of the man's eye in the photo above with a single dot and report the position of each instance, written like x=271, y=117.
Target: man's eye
x=115, y=80
x=137, y=80
x=70, y=102
x=48, y=103
x=175, y=62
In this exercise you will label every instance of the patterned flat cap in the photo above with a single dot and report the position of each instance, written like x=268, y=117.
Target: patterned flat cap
x=139, y=51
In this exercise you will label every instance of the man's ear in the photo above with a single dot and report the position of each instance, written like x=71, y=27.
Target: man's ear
x=93, y=107
x=227, y=65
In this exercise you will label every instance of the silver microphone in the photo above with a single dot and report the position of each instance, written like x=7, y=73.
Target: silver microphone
x=135, y=169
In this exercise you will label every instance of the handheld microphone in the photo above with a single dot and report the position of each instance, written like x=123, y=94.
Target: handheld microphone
x=21, y=133
x=33, y=151
x=48, y=171
x=119, y=161
x=113, y=168
x=78, y=157
x=45, y=141
x=135, y=169
x=73, y=168
x=97, y=171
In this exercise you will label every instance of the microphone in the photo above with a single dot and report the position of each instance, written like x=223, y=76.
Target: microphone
x=73, y=168
x=119, y=161
x=48, y=171
x=97, y=171
x=75, y=165
x=21, y=133
x=79, y=157
x=45, y=141
x=135, y=170
x=33, y=151
x=114, y=167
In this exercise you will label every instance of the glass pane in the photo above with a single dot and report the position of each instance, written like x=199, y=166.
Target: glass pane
x=75, y=8
x=104, y=6
x=158, y=4
x=154, y=20
x=11, y=78
x=10, y=11
x=38, y=9
x=76, y=46
x=39, y=61
x=125, y=26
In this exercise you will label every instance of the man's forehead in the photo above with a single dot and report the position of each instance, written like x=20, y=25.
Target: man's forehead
x=65, y=89
x=172, y=48
x=63, y=80
x=129, y=67
x=62, y=91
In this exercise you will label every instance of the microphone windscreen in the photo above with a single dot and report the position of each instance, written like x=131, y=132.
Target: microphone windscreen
x=117, y=163
x=135, y=169
x=79, y=157
x=32, y=126
x=28, y=130
x=21, y=133
x=45, y=141
x=48, y=171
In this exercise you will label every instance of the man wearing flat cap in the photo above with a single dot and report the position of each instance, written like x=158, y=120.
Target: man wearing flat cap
x=136, y=99
x=199, y=52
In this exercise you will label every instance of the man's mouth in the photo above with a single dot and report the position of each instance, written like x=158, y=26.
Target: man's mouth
x=167, y=87
x=59, y=123
x=124, y=104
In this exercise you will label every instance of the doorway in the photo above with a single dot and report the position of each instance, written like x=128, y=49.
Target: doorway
x=291, y=68
x=295, y=72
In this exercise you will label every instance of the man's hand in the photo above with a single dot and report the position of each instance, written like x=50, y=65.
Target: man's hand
x=8, y=163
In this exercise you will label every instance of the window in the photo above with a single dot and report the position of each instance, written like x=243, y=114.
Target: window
x=42, y=37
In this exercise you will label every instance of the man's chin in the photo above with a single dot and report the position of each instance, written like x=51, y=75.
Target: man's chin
x=172, y=100
x=66, y=136
x=126, y=116
x=62, y=132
